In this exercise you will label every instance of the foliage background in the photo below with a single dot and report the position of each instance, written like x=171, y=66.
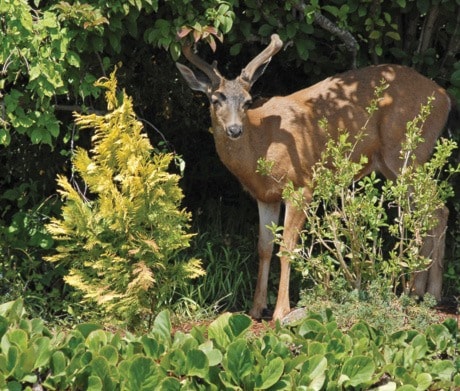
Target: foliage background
x=51, y=52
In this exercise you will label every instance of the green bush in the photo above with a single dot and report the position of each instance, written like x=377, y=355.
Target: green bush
x=314, y=354
x=369, y=231
x=120, y=237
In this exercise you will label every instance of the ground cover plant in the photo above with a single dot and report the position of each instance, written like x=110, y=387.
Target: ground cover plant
x=313, y=354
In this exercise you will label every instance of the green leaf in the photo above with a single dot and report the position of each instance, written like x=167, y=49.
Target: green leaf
x=40, y=136
x=162, y=327
x=358, y=370
x=42, y=347
x=3, y=326
x=214, y=355
x=5, y=137
x=12, y=358
x=58, y=363
x=236, y=49
x=197, y=364
x=94, y=383
x=19, y=338
x=455, y=78
x=303, y=48
x=375, y=34
x=143, y=374
x=239, y=324
x=311, y=328
x=151, y=347
x=313, y=372
x=265, y=30
x=444, y=370
x=270, y=374
x=393, y=35
x=239, y=360
x=96, y=339
x=110, y=353
x=169, y=384
x=86, y=328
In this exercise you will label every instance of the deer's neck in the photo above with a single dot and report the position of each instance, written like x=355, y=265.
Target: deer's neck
x=240, y=156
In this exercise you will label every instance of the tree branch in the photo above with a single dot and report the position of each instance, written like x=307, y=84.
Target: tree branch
x=347, y=38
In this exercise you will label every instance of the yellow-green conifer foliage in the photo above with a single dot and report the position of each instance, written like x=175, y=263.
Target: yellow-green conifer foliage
x=120, y=240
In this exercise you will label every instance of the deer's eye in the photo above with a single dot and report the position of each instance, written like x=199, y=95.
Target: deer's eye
x=217, y=99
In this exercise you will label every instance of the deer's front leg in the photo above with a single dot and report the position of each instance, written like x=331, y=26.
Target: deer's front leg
x=293, y=222
x=268, y=214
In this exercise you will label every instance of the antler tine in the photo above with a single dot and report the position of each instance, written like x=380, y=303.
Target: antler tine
x=210, y=70
x=263, y=57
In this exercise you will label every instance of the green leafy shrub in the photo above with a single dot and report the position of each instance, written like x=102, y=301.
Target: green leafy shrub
x=349, y=235
x=313, y=354
x=120, y=239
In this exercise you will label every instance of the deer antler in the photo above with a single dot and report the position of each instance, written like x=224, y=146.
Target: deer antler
x=208, y=69
x=262, y=58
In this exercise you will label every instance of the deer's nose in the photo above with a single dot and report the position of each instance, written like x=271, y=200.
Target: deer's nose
x=234, y=131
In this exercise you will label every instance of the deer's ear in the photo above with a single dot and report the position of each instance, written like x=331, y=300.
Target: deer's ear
x=196, y=81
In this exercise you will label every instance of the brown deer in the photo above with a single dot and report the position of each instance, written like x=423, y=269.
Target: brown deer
x=285, y=130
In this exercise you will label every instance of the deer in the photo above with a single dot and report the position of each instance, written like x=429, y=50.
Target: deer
x=285, y=130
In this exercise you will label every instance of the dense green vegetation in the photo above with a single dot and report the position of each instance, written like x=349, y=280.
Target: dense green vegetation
x=313, y=354
x=51, y=54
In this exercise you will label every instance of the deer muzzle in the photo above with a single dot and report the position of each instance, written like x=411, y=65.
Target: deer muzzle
x=234, y=131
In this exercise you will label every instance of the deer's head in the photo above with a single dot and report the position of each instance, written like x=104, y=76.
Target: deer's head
x=229, y=99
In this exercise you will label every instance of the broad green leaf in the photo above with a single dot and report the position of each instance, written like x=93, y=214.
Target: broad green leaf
x=444, y=369
x=439, y=335
x=217, y=330
x=455, y=78
x=270, y=374
x=96, y=339
x=175, y=361
x=143, y=374
x=393, y=35
x=169, y=384
x=265, y=30
x=58, y=363
x=25, y=363
x=151, y=347
x=100, y=366
x=197, y=364
x=94, y=383
x=239, y=360
x=239, y=324
x=12, y=358
x=19, y=338
x=311, y=328
x=162, y=327
x=12, y=310
x=42, y=348
x=214, y=355
x=3, y=326
x=424, y=381
x=358, y=370
x=313, y=372
x=86, y=328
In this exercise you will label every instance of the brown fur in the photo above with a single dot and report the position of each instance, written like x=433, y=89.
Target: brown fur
x=286, y=131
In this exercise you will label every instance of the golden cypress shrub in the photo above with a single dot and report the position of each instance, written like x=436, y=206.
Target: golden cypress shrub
x=120, y=240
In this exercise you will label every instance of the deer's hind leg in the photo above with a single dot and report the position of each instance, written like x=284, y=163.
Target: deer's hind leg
x=430, y=280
